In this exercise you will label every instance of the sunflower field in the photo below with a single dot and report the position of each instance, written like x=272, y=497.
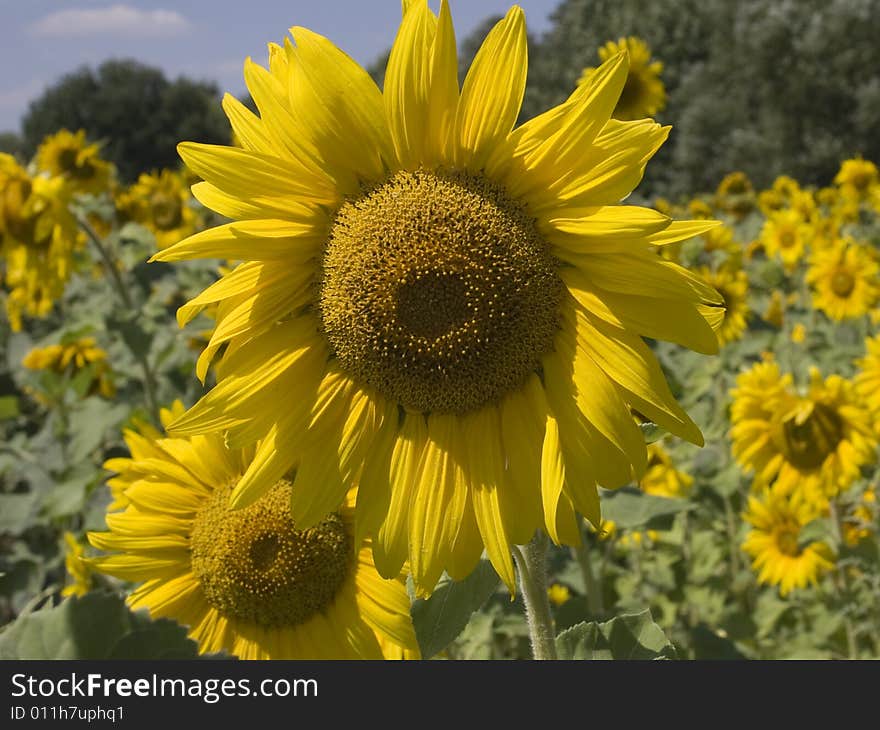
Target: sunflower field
x=401, y=372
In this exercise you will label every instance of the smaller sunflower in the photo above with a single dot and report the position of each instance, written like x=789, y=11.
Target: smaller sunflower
x=77, y=568
x=785, y=234
x=779, y=553
x=162, y=203
x=71, y=157
x=38, y=239
x=733, y=285
x=798, y=333
x=816, y=442
x=661, y=478
x=72, y=356
x=558, y=594
x=735, y=195
x=643, y=92
x=857, y=179
x=844, y=280
x=861, y=522
x=247, y=581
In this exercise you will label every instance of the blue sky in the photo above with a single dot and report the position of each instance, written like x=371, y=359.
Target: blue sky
x=203, y=39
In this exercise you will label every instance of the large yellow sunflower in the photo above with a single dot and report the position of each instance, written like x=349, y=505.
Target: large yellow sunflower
x=249, y=582
x=433, y=304
x=38, y=237
x=160, y=202
x=779, y=554
x=732, y=284
x=70, y=156
x=785, y=234
x=844, y=279
x=643, y=93
x=814, y=443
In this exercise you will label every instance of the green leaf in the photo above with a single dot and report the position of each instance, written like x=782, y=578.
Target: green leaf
x=95, y=626
x=632, y=636
x=16, y=512
x=89, y=422
x=818, y=530
x=443, y=616
x=128, y=325
x=630, y=507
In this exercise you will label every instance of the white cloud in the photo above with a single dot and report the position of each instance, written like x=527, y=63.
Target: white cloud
x=121, y=19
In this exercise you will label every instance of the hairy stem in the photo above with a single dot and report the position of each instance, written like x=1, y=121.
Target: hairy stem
x=531, y=565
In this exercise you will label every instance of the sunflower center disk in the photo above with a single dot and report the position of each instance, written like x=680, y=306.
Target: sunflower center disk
x=842, y=283
x=808, y=442
x=787, y=540
x=255, y=566
x=438, y=291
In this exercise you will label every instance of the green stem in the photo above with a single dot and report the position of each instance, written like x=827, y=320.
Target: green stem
x=730, y=518
x=592, y=588
x=125, y=297
x=531, y=563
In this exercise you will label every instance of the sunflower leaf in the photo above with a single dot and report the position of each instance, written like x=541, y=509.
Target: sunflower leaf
x=631, y=636
x=439, y=619
x=95, y=626
x=629, y=508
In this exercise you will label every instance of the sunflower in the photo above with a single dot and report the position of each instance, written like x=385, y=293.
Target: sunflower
x=558, y=594
x=161, y=202
x=662, y=479
x=643, y=93
x=779, y=553
x=785, y=234
x=72, y=158
x=141, y=438
x=867, y=380
x=861, y=522
x=76, y=566
x=249, y=582
x=735, y=195
x=815, y=443
x=38, y=238
x=857, y=179
x=432, y=304
x=844, y=279
x=72, y=356
x=732, y=284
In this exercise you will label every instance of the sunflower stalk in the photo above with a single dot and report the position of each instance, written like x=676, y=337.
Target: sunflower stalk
x=531, y=563
x=122, y=292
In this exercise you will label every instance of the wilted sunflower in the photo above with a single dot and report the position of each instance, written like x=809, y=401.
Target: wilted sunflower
x=38, y=237
x=857, y=179
x=161, y=202
x=661, y=478
x=71, y=157
x=779, y=553
x=434, y=305
x=867, y=380
x=249, y=582
x=785, y=234
x=643, y=93
x=732, y=284
x=815, y=443
x=844, y=279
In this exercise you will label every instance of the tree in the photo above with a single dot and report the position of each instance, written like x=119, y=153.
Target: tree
x=138, y=114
